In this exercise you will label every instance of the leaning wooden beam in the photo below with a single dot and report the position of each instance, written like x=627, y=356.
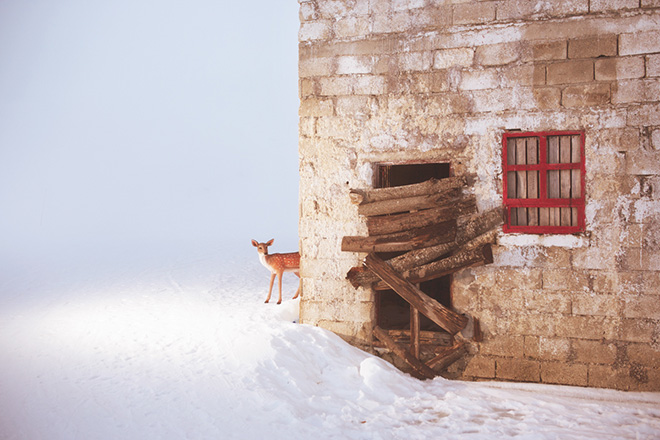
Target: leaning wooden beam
x=454, y=208
x=447, y=357
x=436, y=312
x=446, y=266
x=404, y=241
x=421, y=370
x=415, y=203
x=397, y=192
x=419, y=257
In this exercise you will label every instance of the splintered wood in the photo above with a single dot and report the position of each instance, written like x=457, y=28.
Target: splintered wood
x=436, y=226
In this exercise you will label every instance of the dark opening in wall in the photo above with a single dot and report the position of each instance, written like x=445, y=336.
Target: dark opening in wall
x=392, y=311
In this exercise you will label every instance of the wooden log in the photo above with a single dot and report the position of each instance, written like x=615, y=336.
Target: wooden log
x=422, y=370
x=446, y=266
x=447, y=357
x=414, y=203
x=454, y=208
x=431, y=186
x=478, y=229
x=414, y=332
x=404, y=241
x=425, y=337
x=436, y=312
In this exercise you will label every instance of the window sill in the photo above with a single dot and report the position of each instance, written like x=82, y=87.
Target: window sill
x=549, y=240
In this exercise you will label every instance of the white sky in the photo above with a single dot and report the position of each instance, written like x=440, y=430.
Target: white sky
x=141, y=122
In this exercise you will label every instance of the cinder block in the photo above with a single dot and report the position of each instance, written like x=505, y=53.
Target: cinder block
x=479, y=80
x=587, y=95
x=498, y=54
x=336, y=85
x=547, y=98
x=606, y=376
x=612, y=5
x=369, y=85
x=415, y=61
x=641, y=306
x=565, y=279
x=545, y=50
x=554, y=349
x=347, y=65
x=509, y=279
x=474, y=13
x=315, y=67
x=594, y=352
x=593, y=47
x=446, y=58
x=316, y=107
x=315, y=30
x=644, y=115
x=348, y=27
x=521, y=370
x=638, y=330
x=564, y=373
x=610, y=69
x=567, y=72
x=505, y=346
x=639, y=90
x=639, y=43
x=480, y=367
x=596, y=305
x=587, y=327
x=653, y=65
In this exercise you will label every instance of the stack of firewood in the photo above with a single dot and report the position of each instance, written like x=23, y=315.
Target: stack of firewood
x=436, y=229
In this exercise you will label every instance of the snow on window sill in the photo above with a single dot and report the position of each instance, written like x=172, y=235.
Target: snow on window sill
x=559, y=240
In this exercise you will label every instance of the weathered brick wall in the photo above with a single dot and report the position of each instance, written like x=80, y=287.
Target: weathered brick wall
x=416, y=80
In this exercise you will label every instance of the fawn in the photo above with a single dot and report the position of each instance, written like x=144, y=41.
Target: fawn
x=277, y=264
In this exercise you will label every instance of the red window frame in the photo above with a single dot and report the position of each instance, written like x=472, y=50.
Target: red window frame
x=543, y=201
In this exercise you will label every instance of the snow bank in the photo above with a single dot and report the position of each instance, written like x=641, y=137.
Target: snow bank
x=186, y=349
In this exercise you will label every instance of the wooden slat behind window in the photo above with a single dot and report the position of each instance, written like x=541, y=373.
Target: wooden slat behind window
x=523, y=184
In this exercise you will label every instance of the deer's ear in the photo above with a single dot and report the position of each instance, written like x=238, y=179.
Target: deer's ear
x=270, y=242
x=254, y=243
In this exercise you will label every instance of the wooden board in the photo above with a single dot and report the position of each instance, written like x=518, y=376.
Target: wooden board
x=421, y=369
x=436, y=312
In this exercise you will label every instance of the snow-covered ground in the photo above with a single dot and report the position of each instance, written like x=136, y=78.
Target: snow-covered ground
x=185, y=348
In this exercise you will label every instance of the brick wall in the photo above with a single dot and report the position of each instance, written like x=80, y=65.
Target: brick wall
x=429, y=80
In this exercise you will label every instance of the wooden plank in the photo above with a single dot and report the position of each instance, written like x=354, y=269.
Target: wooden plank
x=533, y=179
x=454, y=208
x=478, y=230
x=405, y=204
x=553, y=180
x=511, y=151
x=565, y=177
x=414, y=331
x=425, y=337
x=440, y=233
x=436, y=312
x=448, y=356
x=521, y=188
x=446, y=266
x=431, y=186
x=576, y=181
x=420, y=369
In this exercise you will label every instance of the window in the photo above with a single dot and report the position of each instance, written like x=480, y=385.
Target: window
x=544, y=182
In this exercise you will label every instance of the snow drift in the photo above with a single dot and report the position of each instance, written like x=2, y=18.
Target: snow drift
x=186, y=349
